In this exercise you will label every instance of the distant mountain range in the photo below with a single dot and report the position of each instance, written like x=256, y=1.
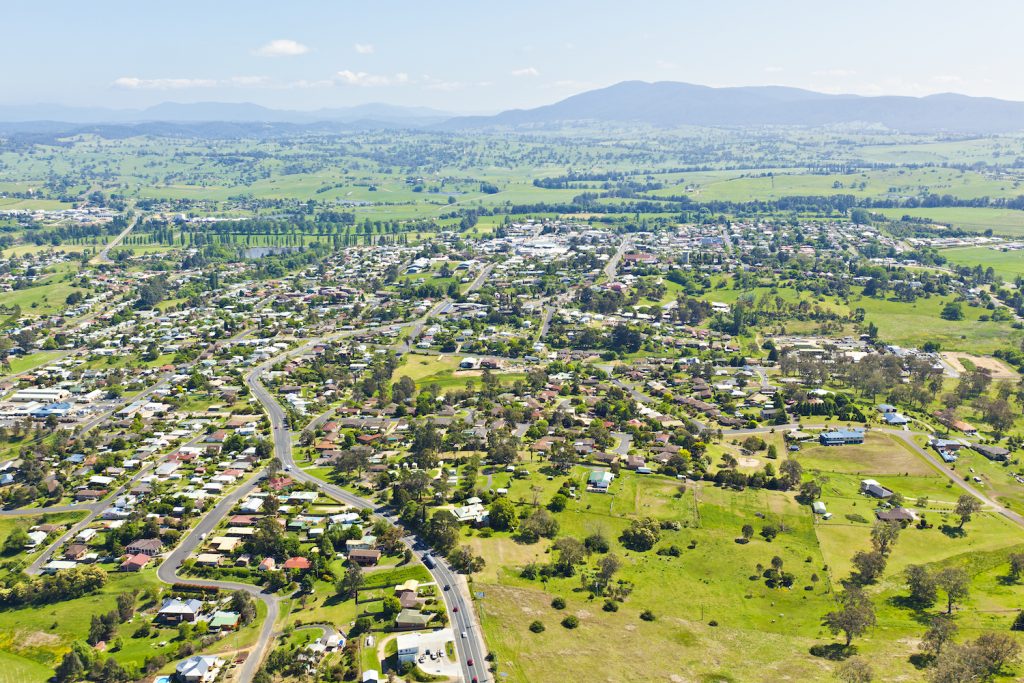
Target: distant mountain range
x=204, y=112
x=666, y=104
x=662, y=104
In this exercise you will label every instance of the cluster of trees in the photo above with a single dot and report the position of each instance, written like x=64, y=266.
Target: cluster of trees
x=84, y=662
x=66, y=584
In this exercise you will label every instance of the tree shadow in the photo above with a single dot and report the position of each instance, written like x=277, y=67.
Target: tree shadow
x=919, y=613
x=835, y=652
x=921, y=660
x=952, y=531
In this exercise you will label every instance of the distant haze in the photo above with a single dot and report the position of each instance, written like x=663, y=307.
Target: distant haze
x=663, y=104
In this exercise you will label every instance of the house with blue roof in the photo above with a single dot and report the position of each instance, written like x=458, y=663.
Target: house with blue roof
x=841, y=437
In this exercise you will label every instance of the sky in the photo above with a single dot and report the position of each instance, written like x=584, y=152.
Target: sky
x=479, y=56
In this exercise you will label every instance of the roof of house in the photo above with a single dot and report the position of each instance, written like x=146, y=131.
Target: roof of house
x=196, y=666
x=896, y=515
x=413, y=618
x=133, y=561
x=176, y=606
x=296, y=563
x=146, y=544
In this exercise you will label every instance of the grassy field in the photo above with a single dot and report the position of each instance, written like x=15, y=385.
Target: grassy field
x=716, y=620
x=34, y=360
x=33, y=639
x=1000, y=221
x=1009, y=264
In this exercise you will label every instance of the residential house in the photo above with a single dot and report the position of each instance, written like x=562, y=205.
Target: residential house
x=145, y=546
x=364, y=557
x=841, y=437
x=873, y=488
x=198, y=669
x=134, y=563
x=175, y=611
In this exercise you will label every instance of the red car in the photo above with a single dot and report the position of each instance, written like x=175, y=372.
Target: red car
x=469, y=661
x=475, y=680
x=455, y=609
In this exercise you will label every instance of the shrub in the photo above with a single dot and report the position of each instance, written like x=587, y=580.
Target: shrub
x=570, y=622
x=610, y=606
x=537, y=627
x=647, y=615
x=558, y=603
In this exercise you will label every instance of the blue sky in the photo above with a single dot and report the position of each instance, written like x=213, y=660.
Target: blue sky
x=486, y=56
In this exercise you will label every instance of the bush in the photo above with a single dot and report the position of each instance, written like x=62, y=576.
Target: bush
x=570, y=622
x=647, y=615
x=610, y=606
x=537, y=627
x=558, y=603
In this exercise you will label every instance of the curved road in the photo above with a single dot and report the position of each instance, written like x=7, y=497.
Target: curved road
x=168, y=573
x=462, y=621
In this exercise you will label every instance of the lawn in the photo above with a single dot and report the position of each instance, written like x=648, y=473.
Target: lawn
x=1000, y=221
x=20, y=364
x=878, y=455
x=912, y=324
x=709, y=602
x=36, y=637
x=1007, y=263
x=17, y=669
x=424, y=368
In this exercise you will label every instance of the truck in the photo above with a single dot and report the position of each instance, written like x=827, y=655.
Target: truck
x=429, y=561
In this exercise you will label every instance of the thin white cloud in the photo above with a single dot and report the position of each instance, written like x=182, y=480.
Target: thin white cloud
x=526, y=71
x=364, y=48
x=773, y=69
x=135, y=83
x=282, y=48
x=363, y=79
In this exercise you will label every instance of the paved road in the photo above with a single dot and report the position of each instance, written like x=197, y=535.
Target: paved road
x=611, y=268
x=168, y=573
x=545, y=324
x=104, y=255
x=625, y=441
x=93, y=509
x=908, y=438
x=463, y=620
x=478, y=282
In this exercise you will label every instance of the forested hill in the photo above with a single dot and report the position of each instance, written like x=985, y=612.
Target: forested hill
x=676, y=104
